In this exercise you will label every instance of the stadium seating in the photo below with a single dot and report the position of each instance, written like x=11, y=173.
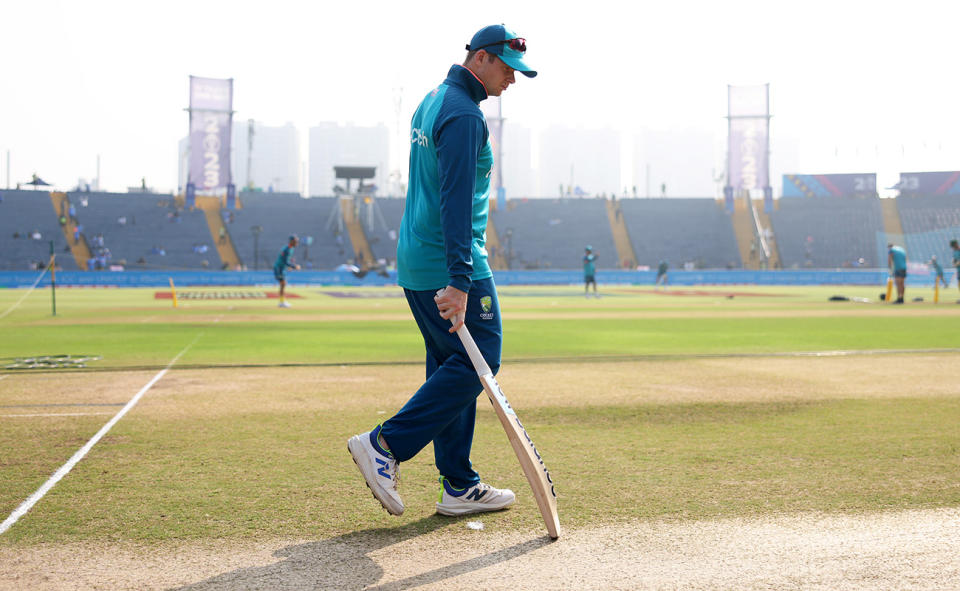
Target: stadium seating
x=827, y=232
x=136, y=226
x=283, y=214
x=536, y=233
x=930, y=223
x=681, y=230
x=551, y=233
x=23, y=213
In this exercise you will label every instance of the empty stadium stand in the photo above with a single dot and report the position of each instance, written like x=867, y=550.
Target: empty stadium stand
x=681, y=230
x=551, y=233
x=137, y=227
x=820, y=233
x=828, y=232
x=27, y=214
x=929, y=224
x=280, y=215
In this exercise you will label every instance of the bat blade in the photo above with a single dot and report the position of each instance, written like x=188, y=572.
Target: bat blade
x=530, y=461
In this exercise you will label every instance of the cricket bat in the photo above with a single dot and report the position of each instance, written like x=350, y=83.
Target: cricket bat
x=533, y=468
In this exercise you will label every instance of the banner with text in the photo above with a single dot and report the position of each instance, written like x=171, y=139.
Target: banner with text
x=929, y=183
x=211, y=114
x=748, y=114
x=830, y=185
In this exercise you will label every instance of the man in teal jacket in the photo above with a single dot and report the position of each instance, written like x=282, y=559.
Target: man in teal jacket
x=443, y=269
x=897, y=261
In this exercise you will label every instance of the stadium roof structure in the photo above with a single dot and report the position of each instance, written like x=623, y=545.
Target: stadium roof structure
x=355, y=172
x=349, y=173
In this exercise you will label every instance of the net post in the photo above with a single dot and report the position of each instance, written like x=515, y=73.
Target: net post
x=53, y=278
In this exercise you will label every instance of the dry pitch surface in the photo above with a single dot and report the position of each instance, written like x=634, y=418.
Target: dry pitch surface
x=914, y=549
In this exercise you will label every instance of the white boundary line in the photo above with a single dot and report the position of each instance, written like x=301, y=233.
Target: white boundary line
x=65, y=469
x=29, y=291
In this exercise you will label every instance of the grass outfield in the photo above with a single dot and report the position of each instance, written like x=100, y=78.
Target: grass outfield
x=131, y=328
x=645, y=406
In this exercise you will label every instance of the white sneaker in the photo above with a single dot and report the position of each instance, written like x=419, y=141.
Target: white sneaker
x=476, y=499
x=283, y=304
x=381, y=472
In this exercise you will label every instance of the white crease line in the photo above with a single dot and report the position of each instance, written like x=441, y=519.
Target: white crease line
x=59, y=414
x=65, y=469
x=4, y=376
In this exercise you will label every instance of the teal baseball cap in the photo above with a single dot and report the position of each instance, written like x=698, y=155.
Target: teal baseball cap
x=505, y=44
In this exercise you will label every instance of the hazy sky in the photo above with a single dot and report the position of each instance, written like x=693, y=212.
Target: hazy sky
x=855, y=86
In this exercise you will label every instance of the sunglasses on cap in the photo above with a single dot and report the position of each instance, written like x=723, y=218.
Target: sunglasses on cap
x=518, y=44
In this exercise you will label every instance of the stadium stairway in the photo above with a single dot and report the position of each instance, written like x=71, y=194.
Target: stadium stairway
x=742, y=222
x=362, y=253
x=79, y=248
x=621, y=237
x=212, y=211
x=765, y=223
x=892, y=225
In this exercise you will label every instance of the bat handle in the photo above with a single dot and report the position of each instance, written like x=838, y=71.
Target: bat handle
x=479, y=364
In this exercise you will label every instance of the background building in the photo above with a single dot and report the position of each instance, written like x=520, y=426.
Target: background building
x=520, y=179
x=674, y=163
x=584, y=158
x=333, y=144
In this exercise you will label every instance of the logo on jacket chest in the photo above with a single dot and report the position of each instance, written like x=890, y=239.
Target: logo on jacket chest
x=418, y=137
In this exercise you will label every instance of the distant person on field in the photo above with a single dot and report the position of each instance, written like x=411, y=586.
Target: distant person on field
x=897, y=261
x=956, y=259
x=938, y=270
x=662, y=278
x=589, y=271
x=284, y=261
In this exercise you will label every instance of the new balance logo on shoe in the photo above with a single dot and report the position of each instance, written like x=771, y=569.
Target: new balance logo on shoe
x=476, y=499
x=476, y=494
x=382, y=470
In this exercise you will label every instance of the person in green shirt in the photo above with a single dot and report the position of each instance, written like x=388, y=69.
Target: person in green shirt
x=956, y=259
x=897, y=261
x=589, y=272
x=283, y=262
x=938, y=270
x=661, y=274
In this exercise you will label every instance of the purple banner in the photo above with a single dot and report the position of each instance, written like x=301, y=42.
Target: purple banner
x=211, y=104
x=929, y=183
x=830, y=185
x=748, y=154
x=748, y=116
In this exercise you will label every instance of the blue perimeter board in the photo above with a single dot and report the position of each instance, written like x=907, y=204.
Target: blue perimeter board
x=20, y=279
